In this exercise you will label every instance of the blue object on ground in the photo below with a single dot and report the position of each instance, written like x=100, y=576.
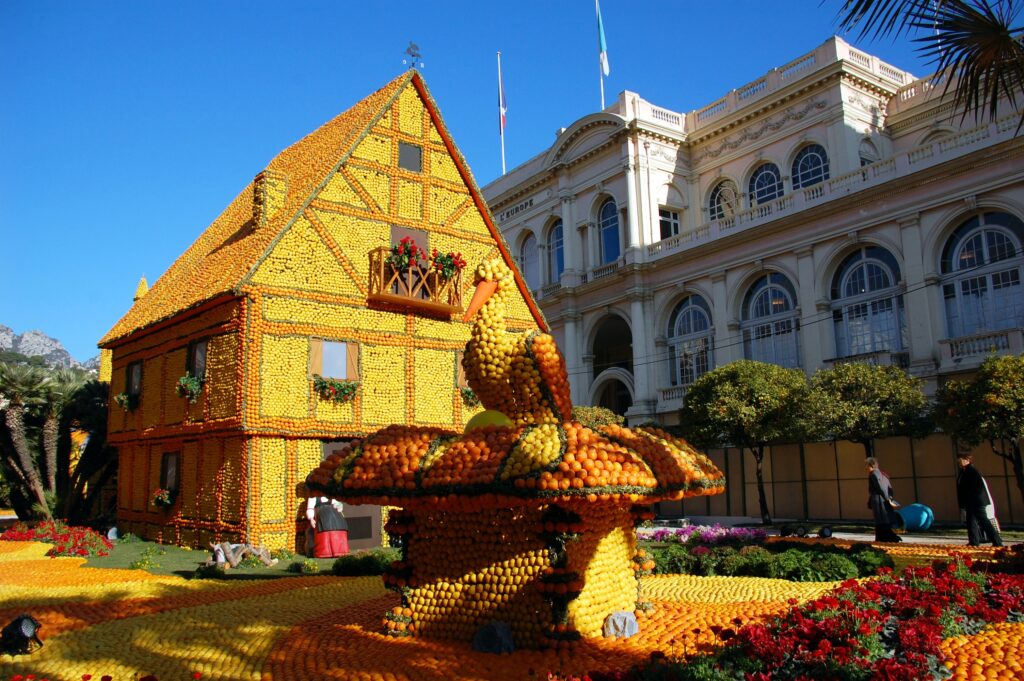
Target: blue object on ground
x=916, y=517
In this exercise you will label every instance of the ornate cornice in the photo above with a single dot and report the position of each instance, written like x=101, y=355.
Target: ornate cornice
x=770, y=124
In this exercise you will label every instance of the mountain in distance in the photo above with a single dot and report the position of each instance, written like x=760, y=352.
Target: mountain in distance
x=38, y=344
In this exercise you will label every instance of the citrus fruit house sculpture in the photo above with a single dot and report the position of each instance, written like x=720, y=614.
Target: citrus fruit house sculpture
x=527, y=517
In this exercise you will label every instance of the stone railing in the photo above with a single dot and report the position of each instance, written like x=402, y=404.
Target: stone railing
x=604, y=271
x=830, y=52
x=970, y=351
x=913, y=160
x=670, y=399
x=879, y=358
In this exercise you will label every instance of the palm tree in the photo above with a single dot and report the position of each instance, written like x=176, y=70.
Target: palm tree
x=58, y=392
x=97, y=464
x=22, y=389
x=975, y=46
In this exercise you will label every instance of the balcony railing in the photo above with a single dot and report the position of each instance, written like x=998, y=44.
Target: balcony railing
x=971, y=351
x=879, y=358
x=418, y=288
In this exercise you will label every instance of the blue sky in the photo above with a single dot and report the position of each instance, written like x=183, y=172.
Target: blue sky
x=127, y=127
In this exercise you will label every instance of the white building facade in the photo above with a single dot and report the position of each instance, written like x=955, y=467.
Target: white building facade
x=835, y=209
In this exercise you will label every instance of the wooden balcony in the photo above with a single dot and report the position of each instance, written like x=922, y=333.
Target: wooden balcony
x=416, y=289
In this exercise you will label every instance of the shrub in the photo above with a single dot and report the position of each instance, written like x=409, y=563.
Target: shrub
x=832, y=567
x=869, y=560
x=305, y=567
x=282, y=554
x=372, y=562
x=214, y=571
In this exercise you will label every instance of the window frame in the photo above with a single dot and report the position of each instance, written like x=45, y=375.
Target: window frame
x=779, y=325
x=607, y=225
x=170, y=471
x=719, y=205
x=673, y=221
x=529, y=263
x=556, y=251
x=192, y=362
x=133, y=387
x=703, y=359
x=760, y=192
x=886, y=329
x=403, y=145
x=316, y=358
x=808, y=178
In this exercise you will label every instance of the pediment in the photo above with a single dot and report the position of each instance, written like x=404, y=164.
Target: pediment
x=582, y=137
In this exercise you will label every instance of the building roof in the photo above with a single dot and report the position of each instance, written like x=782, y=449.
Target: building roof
x=218, y=262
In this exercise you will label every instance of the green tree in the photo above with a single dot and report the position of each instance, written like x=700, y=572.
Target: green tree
x=861, y=403
x=746, y=404
x=989, y=408
x=974, y=45
x=22, y=391
x=97, y=462
x=39, y=408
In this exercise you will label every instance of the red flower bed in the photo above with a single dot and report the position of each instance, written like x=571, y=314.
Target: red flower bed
x=68, y=541
x=887, y=628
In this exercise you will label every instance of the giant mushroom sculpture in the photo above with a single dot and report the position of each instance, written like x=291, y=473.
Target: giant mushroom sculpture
x=529, y=523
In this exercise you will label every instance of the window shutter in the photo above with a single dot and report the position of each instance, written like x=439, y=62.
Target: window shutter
x=352, y=361
x=461, y=372
x=316, y=356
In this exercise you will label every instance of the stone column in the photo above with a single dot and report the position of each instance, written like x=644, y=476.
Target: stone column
x=921, y=284
x=593, y=244
x=587, y=378
x=632, y=224
x=643, y=401
x=811, y=331
x=725, y=343
x=573, y=360
x=571, y=242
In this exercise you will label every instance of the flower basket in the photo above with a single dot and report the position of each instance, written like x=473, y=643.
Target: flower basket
x=189, y=386
x=335, y=390
x=127, y=401
x=447, y=265
x=469, y=398
x=405, y=254
x=164, y=498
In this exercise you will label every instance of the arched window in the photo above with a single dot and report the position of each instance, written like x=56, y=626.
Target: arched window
x=810, y=166
x=690, y=341
x=556, y=256
x=981, y=275
x=608, y=218
x=867, y=307
x=868, y=153
x=724, y=200
x=770, y=322
x=765, y=184
x=529, y=262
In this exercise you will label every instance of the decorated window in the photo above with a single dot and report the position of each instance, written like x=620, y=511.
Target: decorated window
x=867, y=306
x=608, y=226
x=770, y=322
x=556, y=254
x=133, y=379
x=982, y=267
x=724, y=200
x=529, y=261
x=690, y=341
x=669, y=219
x=196, y=359
x=410, y=157
x=765, y=184
x=810, y=166
x=418, y=236
x=334, y=359
x=169, y=471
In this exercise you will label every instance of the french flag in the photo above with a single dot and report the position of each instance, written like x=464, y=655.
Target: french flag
x=502, y=105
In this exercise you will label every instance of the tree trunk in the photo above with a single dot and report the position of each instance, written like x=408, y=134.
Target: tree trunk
x=50, y=440
x=869, y=447
x=23, y=460
x=1011, y=452
x=758, y=452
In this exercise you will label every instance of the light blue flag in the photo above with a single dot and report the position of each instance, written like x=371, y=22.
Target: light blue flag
x=602, y=46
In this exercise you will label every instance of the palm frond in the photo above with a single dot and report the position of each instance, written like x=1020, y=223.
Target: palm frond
x=879, y=18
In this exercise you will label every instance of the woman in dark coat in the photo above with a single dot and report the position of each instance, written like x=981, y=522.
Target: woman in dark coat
x=973, y=497
x=880, y=502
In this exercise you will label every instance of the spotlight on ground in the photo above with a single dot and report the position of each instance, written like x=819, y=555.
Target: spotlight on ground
x=825, y=532
x=18, y=637
x=800, y=531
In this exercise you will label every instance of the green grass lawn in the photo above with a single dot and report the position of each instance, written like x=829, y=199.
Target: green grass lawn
x=161, y=559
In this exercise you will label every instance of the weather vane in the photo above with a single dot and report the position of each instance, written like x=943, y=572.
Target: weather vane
x=414, y=56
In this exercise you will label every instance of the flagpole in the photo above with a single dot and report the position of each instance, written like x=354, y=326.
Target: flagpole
x=501, y=115
x=602, y=51
x=600, y=77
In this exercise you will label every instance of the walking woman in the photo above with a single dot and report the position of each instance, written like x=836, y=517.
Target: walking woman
x=880, y=501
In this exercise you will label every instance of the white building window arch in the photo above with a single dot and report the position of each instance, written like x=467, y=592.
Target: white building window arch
x=529, y=261
x=982, y=267
x=724, y=200
x=556, y=252
x=770, y=322
x=810, y=166
x=867, y=304
x=690, y=341
x=608, y=230
x=868, y=152
x=765, y=184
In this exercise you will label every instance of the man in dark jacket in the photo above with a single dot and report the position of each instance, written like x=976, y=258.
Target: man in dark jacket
x=972, y=495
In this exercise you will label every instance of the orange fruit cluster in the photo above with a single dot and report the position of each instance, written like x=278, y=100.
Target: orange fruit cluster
x=994, y=653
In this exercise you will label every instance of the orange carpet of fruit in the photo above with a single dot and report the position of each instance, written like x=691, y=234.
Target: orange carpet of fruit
x=128, y=623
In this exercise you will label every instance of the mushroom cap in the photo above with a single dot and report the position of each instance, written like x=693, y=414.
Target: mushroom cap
x=507, y=466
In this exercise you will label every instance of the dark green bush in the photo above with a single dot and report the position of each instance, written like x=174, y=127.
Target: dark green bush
x=673, y=559
x=372, y=562
x=833, y=567
x=868, y=559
